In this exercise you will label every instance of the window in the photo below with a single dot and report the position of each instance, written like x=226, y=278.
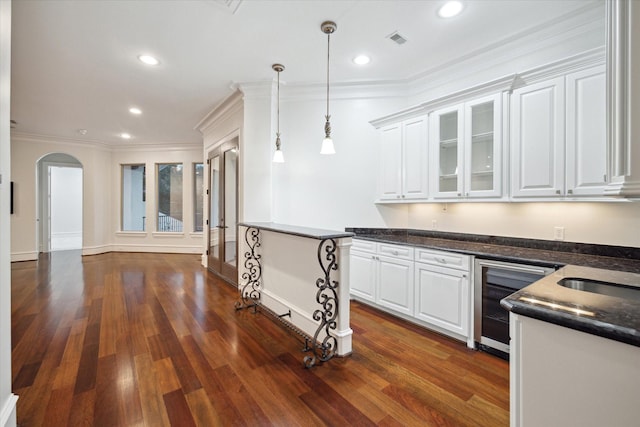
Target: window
x=169, y=197
x=133, y=197
x=198, y=196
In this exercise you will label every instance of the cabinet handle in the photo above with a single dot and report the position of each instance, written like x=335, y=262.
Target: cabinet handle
x=459, y=194
x=441, y=260
x=403, y=196
x=557, y=191
x=394, y=252
x=570, y=191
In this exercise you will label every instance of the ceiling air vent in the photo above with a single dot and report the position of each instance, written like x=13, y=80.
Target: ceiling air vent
x=397, y=38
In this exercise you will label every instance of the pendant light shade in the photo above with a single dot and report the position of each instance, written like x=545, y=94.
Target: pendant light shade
x=278, y=157
x=328, y=28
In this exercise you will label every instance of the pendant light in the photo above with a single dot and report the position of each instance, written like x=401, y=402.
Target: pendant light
x=328, y=28
x=278, y=157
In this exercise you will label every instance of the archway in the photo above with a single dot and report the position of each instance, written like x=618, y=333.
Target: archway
x=59, y=203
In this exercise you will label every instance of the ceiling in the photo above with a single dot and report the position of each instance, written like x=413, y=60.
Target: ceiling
x=75, y=66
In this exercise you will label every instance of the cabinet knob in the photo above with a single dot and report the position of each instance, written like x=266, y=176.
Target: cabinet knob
x=403, y=196
x=570, y=191
x=459, y=194
x=557, y=191
x=395, y=252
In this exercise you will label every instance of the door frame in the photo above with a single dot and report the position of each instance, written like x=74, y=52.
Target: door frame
x=43, y=229
x=217, y=265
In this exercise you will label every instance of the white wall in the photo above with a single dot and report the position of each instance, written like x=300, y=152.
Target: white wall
x=611, y=223
x=187, y=241
x=25, y=153
x=101, y=195
x=7, y=399
x=331, y=191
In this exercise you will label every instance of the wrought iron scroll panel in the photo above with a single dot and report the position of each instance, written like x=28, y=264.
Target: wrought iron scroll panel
x=327, y=297
x=252, y=276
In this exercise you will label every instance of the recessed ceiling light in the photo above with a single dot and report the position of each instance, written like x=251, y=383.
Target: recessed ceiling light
x=125, y=136
x=148, y=59
x=361, y=60
x=134, y=110
x=450, y=9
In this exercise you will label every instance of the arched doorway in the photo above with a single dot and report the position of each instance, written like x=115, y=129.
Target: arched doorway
x=59, y=206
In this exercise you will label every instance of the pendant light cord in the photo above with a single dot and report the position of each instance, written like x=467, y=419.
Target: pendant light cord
x=278, y=109
x=328, y=50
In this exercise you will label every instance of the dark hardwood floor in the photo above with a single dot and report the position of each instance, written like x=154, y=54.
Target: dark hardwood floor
x=127, y=339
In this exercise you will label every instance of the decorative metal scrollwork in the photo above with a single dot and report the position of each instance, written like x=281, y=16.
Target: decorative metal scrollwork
x=250, y=293
x=327, y=297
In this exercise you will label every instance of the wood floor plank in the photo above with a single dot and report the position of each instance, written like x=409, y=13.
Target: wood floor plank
x=151, y=401
x=178, y=409
x=153, y=339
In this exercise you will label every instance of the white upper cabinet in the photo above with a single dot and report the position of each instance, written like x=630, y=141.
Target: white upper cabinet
x=558, y=136
x=447, y=151
x=403, y=160
x=483, y=147
x=390, y=185
x=586, y=132
x=537, y=135
x=466, y=148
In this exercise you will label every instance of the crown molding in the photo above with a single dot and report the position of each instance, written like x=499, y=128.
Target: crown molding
x=48, y=139
x=498, y=85
x=589, y=58
x=102, y=145
x=574, y=26
x=346, y=90
x=226, y=108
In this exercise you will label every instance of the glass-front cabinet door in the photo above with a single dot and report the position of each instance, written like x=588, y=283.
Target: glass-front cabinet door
x=465, y=149
x=447, y=154
x=483, y=142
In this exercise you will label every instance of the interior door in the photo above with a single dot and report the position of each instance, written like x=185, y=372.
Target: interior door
x=214, y=263
x=223, y=211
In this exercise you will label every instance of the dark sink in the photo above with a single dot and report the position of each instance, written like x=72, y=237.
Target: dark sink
x=602, y=288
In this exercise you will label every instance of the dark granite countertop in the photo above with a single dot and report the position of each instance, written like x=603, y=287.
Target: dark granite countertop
x=606, y=316
x=525, y=251
x=294, y=230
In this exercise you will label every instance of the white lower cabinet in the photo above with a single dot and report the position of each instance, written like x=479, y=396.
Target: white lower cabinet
x=442, y=297
x=363, y=267
x=431, y=288
x=395, y=284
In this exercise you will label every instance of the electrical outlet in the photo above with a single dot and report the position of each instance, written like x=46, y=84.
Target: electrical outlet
x=434, y=224
x=558, y=233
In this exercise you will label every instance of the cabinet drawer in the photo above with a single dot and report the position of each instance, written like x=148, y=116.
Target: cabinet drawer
x=396, y=251
x=363, y=245
x=444, y=259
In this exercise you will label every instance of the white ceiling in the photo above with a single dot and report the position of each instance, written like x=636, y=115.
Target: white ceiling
x=74, y=63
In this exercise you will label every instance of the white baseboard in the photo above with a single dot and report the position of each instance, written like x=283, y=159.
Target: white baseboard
x=96, y=250
x=304, y=320
x=166, y=249
x=24, y=256
x=8, y=412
